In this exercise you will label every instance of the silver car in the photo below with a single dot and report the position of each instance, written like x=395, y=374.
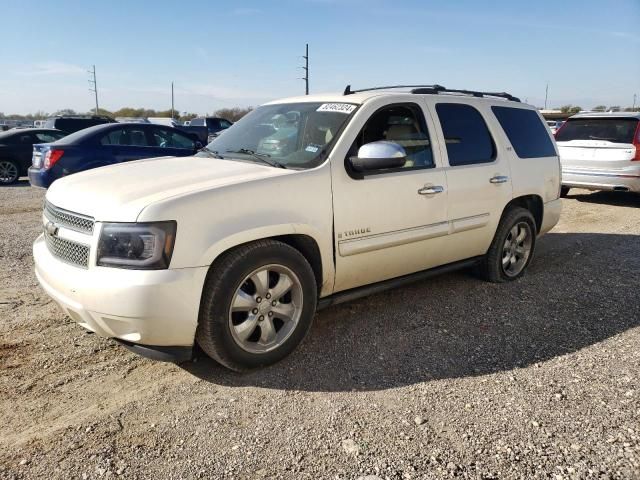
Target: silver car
x=600, y=151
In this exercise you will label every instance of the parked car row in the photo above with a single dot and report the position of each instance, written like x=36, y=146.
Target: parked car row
x=72, y=143
x=598, y=151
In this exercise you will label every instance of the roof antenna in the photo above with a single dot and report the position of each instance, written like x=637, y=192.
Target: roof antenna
x=347, y=90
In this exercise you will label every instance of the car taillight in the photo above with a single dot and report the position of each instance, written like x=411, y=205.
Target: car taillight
x=636, y=143
x=555, y=135
x=52, y=157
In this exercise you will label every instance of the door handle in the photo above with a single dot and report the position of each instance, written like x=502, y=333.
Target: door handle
x=431, y=190
x=499, y=179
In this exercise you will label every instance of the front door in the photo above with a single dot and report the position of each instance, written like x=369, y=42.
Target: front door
x=389, y=222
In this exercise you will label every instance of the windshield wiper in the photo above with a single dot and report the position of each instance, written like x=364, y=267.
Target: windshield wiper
x=211, y=153
x=263, y=157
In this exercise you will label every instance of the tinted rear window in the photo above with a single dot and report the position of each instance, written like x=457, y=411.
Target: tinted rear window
x=466, y=135
x=616, y=130
x=525, y=131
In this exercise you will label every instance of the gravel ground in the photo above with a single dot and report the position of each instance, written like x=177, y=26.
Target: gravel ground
x=449, y=377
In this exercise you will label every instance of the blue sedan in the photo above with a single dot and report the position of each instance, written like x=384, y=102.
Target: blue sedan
x=106, y=144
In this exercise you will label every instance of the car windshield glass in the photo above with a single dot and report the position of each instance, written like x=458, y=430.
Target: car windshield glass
x=616, y=130
x=292, y=135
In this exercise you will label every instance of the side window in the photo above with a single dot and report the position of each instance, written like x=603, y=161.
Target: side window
x=403, y=124
x=197, y=122
x=133, y=137
x=224, y=124
x=169, y=139
x=466, y=134
x=47, y=136
x=26, y=139
x=525, y=131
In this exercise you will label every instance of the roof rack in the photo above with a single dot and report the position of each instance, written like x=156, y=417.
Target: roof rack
x=348, y=91
x=435, y=90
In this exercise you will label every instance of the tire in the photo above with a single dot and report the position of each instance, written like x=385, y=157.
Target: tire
x=564, y=191
x=492, y=267
x=9, y=172
x=265, y=324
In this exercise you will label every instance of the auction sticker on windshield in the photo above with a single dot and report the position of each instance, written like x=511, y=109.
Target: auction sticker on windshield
x=336, y=107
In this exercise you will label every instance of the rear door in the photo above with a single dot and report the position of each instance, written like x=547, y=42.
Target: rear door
x=126, y=143
x=598, y=143
x=478, y=174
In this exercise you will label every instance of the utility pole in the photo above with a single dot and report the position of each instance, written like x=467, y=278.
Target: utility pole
x=306, y=70
x=546, y=96
x=95, y=85
x=633, y=109
x=172, y=113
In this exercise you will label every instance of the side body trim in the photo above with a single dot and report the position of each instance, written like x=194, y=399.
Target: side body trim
x=379, y=241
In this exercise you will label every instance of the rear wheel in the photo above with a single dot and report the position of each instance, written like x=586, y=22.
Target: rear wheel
x=9, y=172
x=257, y=306
x=564, y=191
x=512, y=247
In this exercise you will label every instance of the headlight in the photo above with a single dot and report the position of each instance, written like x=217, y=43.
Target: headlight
x=144, y=246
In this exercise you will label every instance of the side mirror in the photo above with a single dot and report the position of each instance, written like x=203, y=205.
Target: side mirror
x=379, y=155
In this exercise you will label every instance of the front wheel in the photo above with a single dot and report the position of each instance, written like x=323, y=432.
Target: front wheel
x=257, y=305
x=564, y=191
x=512, y=247
x=9, y=172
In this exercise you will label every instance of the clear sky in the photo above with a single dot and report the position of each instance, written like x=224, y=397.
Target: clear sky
x=238, y=53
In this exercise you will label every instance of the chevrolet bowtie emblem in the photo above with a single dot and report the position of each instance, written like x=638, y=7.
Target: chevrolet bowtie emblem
x=51, y=229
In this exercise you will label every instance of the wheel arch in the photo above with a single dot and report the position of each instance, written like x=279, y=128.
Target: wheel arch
x=302, y=239
x=533, y=203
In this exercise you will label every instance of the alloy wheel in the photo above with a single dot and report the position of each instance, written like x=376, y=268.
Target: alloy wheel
x=265, y=308
x=8, y=172
x=517, y=249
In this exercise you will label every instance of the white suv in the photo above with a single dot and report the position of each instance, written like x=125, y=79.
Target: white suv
x=304, y=203
x=600, y=151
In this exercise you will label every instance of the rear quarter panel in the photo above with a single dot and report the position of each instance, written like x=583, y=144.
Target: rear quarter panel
x=533, y=176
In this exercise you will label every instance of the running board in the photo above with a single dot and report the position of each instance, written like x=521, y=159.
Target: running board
x=358, y=292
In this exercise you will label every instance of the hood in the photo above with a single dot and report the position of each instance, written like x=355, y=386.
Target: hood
x=120, y=192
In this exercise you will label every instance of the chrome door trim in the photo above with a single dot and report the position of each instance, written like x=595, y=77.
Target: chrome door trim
x=370, y=243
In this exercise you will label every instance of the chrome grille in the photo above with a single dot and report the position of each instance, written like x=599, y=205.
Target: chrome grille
x=74, y=221
x=68, y=251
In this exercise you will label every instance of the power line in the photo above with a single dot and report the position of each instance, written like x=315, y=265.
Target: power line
x=95, y=85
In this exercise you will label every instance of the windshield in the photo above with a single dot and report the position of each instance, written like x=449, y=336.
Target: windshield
x=292, y=135
x=616, y=130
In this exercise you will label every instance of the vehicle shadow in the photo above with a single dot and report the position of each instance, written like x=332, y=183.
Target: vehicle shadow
x=22, y=182
x=581, y=289
x=619, y=199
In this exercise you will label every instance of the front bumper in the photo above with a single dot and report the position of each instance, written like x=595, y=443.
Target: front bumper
x=147, y=309
x=627, y=179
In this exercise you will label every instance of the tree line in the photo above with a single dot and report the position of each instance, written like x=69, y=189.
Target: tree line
x=597, y=108
x=232, y=114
